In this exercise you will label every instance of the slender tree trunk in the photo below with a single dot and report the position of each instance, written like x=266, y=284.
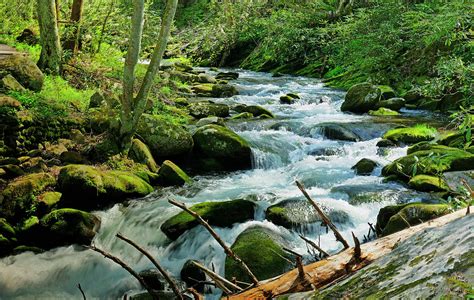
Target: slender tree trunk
x=104, y=25
x=50, y=58
x=133, y=108
x=73, y=42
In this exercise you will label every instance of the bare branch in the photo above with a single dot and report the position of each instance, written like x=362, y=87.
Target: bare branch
x=82, y=292
x=313, y=244
x=227, y=250
x=323, y=216
x=220, y=281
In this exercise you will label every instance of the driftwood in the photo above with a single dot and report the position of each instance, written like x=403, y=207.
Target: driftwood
x=323, y=216
x=163, y=272
x=127, y=268
x=227, y=250
x=325, y=272
x=224, y=284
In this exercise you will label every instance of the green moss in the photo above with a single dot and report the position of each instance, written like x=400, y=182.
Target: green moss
x=221, y=214
x=262, y=251
x=426, y=183
x=29, y=223
x=140, y=153
x=414, y=214
x=383, y=112
x=244, y=115
x=387, y=92
x=411, y=135
x=201, y=110
x=255, y=110
x=6, y=229
x=361, y=98
x=171, y=174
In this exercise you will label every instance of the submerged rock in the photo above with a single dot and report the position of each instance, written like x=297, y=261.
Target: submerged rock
x=170, y=174
x=338, y=132
x=410, y=135
x=223, y=90
x=164, y=138
x=87, y=187
x=218, y=148
x=289, y=98
x=244, y=115
x=262, y=250
x=361, y=98
x=398, y=217
x=220, y=214
x=365, y=166
x=227, y=76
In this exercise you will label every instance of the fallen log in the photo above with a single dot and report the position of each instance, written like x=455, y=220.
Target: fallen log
x=324, y=272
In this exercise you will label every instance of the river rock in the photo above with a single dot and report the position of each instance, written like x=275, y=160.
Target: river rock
x=153, y=279
x=294, y=213
x=24, y=70
x=201, y=110
x=210, y=120
x=227, y=76
x=262, y=250
x=190, y=273
x=398, y=217
x=9, y=84
x=255, y=110
x=205, y=78
x=170, y=174
x=449, y=159
x=141, y=154
x=365, y=166
x=164, y=138
x=383, y=112
x=224, y=91
x=426, y=183
x=338, y=132
x=387, y=92
x=361, y=98
x=383, y=143
x=87, y=187
x=411, y=135
x=289, y=98
x=220, y=214
x=19, y=196
x=203, y=90
x=393, y=103
x=219, y=148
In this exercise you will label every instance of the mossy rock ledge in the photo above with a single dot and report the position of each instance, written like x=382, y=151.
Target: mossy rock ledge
x=411, y=135
x=204, y=109
x=395, y=218
x=220, y=214
x=426, y=183
x=217, y=148
x=170, y=174
x=164, y=138
x=262, y=250
x=87, y=187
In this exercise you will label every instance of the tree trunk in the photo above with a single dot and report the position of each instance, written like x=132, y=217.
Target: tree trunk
x=73, y=42
x=50, y=58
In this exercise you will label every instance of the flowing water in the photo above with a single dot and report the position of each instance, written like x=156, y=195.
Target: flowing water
x=284, y=149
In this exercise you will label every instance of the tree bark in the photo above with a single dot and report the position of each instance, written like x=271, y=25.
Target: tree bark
x=73, y=42
x=51, y=53
x=324, y=272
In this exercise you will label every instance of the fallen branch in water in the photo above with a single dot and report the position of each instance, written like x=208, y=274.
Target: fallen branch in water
x=315, y=246
x=127, y=268
x=227, y=250
x=82, y=292
x=323, y=273
x=163, y=272
x=225, y=285
x=323, y=216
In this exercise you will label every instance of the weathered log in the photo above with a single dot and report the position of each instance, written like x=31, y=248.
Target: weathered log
x=324, y=217
x=214, y=234
x=163, y=272
x=324, y=272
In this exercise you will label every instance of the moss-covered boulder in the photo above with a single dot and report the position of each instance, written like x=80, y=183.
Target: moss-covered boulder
x=210, y=120
x=427, y=183
x=204, y=89
x=7, y=237
x=87, y=187
x=289, y=98
x=223, y=90
x=67, y=226
x=140, y=153
x=203, y=109
x=24, y=70
x=435, y=160
x=218, y=148
x=170, y=174
x=339, y=132
x=393, y=103
x=19, y=197
x=383, y=112
x=364, y=166
x=262, y=250
x=227, y=76
x=361, y=98
x=240, y=116
x=164, y=138
x=255, y=110
x=398, y=217
x=295, y=213
x=47, y=201
x=387, y=92
x=411, y=135
x=220, y=214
